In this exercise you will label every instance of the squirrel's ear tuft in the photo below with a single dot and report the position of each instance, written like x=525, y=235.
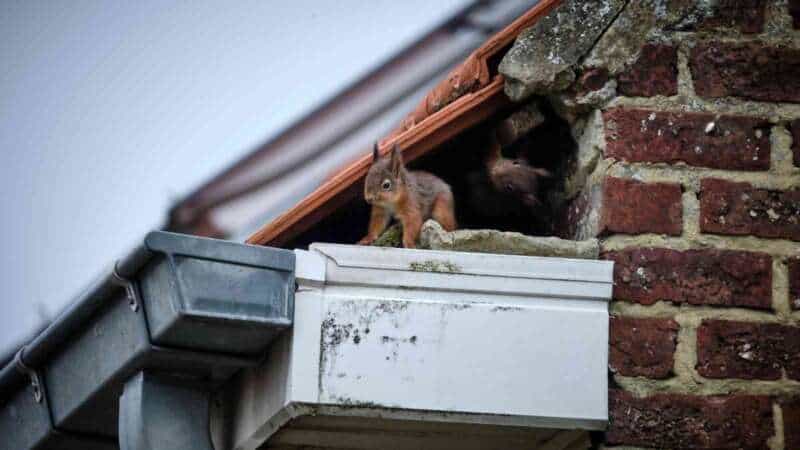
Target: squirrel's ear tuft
x=375, y=154
x=397, y=160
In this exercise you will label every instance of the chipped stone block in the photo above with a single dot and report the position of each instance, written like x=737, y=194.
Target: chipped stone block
x=544, y=56
x=434, y=237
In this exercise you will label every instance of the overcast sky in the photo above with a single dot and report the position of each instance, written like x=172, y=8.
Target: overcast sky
x=110, y=111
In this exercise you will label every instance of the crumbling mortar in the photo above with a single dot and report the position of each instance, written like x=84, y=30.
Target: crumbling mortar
x=668, y=310
x=591, y=145
x=774, y=247
x=777, y=442
x=686, y=379
x=784, y=39
x=782, y=159
x=645, y=387
x=690, y=176
x=778, y=21
x=691, y=215
x=685, y=81
x=780, y=288
x=773, y=112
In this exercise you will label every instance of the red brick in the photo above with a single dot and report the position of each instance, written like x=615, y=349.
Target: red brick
x=690, y=422
x=697, y=277
x=794, y=10
x=794, y=128
x=633, y=207
x=732, y=208
x=791, y=423
x=655, y=72
x=794, y=282
x=747, y=350
x=731, y=142
x=753, y=71
x=642, y=347
x=746, y=16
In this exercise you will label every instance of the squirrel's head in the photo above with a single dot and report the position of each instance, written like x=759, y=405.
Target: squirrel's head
x=517, y=178
x=385, y=181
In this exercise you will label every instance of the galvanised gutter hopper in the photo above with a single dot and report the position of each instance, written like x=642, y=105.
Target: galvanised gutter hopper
x=169, y=324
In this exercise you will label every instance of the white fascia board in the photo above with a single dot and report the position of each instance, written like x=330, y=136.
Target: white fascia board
x=485, y=339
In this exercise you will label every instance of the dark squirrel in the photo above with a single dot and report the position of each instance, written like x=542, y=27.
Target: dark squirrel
x=513, y=176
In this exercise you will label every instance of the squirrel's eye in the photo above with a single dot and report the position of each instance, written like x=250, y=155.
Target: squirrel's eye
x=509, y=188
x=386, y=185
x=516, y=163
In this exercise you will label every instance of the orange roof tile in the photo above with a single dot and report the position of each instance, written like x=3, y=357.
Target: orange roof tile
x=466, y=97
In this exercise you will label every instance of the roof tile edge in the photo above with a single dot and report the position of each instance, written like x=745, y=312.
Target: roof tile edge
x=420, y=132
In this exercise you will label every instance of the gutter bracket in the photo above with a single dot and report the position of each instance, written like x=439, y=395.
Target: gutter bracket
x=157, y=413
x=33, y=376
x=129, y=286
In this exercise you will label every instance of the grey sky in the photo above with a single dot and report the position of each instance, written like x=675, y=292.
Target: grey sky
x=109, y=111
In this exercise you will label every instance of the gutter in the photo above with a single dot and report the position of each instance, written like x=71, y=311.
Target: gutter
x=176, y=308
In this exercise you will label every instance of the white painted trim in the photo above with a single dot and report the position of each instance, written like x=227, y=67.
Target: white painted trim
x=499, y=340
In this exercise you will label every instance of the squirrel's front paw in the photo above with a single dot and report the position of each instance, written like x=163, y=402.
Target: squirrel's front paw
x=366, y=240
x=409, y=244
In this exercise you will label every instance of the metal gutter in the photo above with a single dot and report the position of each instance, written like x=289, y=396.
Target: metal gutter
x=177, y=306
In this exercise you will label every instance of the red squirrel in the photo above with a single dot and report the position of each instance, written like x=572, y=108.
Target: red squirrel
x=411, y=197
x=514, y=176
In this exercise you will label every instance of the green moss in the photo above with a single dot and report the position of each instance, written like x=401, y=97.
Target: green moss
x=435, y=266
x=392, y=237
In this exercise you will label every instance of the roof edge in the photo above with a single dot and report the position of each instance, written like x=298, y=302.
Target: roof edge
x=466, y=97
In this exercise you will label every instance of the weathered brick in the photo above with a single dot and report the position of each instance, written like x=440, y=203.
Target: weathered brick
x=794, y=282
x=633, y=207
x=747, y=350
x=655, y=72
x=690, y=422
x=749, y=70
x=732, y=208
x=746, y=16
x=791, y=423
x=794, y=128
x=697, y=277
x=642, y=347
x=706, y=140
x=794, y=10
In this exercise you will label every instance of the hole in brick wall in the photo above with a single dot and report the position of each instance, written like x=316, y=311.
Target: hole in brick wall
x=461, y=163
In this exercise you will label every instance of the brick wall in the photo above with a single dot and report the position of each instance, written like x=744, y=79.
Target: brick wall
x=690, y=175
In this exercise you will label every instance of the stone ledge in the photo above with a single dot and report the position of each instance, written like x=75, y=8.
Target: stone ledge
x=434, y=237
